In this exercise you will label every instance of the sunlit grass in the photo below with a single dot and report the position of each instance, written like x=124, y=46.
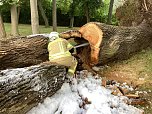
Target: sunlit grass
x=25, y=29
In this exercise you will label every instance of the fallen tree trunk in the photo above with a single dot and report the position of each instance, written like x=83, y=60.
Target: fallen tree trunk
x=23, y=88
x=121, y=42
x=23, y=52
x=108, y=43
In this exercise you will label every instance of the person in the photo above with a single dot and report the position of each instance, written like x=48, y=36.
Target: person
x=58, y=49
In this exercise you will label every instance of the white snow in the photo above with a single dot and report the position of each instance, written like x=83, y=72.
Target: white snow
x=33, y=35
x=84, y=95
x=14, y=76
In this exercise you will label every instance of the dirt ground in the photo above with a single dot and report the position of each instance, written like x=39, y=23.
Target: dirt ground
x=136, y=72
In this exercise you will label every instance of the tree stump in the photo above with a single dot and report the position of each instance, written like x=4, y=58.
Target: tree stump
x=23, y=88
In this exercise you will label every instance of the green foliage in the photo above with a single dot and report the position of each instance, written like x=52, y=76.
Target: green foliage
x=98, y=11
x=101, y=13
x=11, y=2
x=92, y=5
x=6, y=4
x=64, y=5
x=77, y=7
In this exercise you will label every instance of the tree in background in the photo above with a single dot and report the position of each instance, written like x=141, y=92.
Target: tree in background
x=34, y=17
x=89, y=7
x=71, y=14
x=67, y=7
x=12, y=5
x=80, y=8
x=110, y=12
x=14, y=20
x=54, y=16
x=2, y=29
x=43, y=13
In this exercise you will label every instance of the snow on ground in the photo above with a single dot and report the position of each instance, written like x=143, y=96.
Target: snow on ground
x=33, y=35
x=84, y=96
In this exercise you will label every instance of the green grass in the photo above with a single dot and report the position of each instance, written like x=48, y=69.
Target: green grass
x=25, y=29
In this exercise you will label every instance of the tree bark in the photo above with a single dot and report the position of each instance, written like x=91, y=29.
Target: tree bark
x=121, y=42
x=34, y=17
x=43, y=13
x=71, y=13
x=2, y=28
x=71, y=22
x=14, y=20
x=110, y=12
x=18, y=13
x=87, y=12
x=54, y=16
x=23, y=88
x=22, y=52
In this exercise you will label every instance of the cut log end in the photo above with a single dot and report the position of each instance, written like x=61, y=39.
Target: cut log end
x=114, y=42
x=93, y=34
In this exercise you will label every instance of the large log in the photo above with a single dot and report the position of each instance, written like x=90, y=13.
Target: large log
x=23, y=52
x=109, y=43
x=114, y=42
x=121, y=42
x=23, y=88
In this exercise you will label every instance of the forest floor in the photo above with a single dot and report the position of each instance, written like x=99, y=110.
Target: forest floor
x=137, y=72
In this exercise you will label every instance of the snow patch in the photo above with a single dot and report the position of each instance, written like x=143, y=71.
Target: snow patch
x=14, y=76
x=33, y=35
x=84, y=96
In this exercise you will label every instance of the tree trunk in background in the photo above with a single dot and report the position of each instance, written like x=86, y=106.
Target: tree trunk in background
x=14, y=20
x=71, y=22
x=43, y=13
x=71, y=13
x=110, y=12
x=87, y=12
x=54, y=16
x=2, y=28
x=18, y=12
x=34, y=17
x=23, y=88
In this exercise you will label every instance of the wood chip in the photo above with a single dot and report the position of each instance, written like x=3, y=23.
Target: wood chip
x=104, y=82
x=134, y=96
x=137, y=102
x=116, y=91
